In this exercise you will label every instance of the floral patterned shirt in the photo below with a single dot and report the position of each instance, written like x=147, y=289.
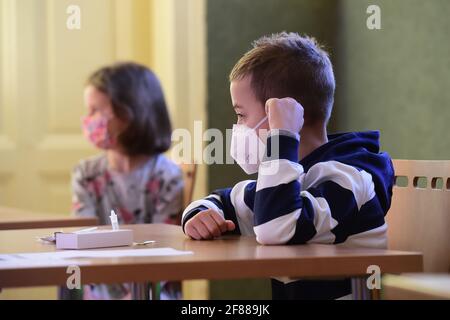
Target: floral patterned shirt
x=152, y=193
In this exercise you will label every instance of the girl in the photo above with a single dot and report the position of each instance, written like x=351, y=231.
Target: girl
x=127, y=118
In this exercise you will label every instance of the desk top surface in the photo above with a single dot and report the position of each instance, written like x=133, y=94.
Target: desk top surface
x=12, y=218
x=231, y=257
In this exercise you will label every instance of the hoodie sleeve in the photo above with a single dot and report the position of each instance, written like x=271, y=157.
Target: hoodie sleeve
x=332, y=203
x=233, y=204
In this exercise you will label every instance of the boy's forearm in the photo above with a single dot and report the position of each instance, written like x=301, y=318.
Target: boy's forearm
x=278, y=201
x=282, y=145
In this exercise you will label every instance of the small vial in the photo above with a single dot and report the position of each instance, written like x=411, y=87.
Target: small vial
x=114, y=221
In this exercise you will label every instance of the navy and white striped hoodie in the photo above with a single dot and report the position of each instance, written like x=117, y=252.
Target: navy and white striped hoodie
x=338, y=194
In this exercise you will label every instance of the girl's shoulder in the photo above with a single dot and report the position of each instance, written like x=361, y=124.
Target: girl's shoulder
x=91, y=167
x=167, y=167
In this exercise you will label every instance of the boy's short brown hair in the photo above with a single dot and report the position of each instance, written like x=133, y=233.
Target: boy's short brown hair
x=137, y=98
x=290, y=65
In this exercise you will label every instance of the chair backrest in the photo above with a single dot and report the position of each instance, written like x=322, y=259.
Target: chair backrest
x=419, y=218
x=189, y=171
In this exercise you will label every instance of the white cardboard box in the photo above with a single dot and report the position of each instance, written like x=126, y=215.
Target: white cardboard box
x=94, y=239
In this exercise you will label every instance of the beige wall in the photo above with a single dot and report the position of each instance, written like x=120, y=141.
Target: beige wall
x=43, y=67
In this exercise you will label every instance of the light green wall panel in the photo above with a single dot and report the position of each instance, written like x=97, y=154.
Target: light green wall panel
x=397, y=79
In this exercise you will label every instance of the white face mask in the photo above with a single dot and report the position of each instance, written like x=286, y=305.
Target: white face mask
x=247, y=149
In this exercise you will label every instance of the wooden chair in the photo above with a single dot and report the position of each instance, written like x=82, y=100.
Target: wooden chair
x=189, y=172
x=189, y=175
x=419, y=218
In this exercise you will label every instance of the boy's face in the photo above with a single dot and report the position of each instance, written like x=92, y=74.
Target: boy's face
x=248, y=109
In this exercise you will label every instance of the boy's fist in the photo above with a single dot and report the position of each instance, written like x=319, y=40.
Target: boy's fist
x=207, y=224
x=285, y=114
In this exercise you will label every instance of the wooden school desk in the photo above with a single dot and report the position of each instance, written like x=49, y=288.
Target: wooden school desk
x=12, y=218
x=232, y=257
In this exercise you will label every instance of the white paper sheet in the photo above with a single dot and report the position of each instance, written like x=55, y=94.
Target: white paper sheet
x=63, y=257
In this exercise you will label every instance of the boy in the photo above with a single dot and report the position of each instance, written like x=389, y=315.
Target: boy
x=339, y=191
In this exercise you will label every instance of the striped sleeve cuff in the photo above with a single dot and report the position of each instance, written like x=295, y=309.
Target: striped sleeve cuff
x=282, y=144
x=190, y=214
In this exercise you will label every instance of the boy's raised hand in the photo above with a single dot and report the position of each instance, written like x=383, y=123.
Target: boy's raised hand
x=207, y=224
x=285, y=114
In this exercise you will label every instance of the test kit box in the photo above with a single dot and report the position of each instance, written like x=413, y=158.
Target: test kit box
x=94, y=239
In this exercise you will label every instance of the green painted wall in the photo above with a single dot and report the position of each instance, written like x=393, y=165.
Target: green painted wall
x=395, y=79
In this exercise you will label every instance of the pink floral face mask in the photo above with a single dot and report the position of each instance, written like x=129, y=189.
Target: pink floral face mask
x=96, y=131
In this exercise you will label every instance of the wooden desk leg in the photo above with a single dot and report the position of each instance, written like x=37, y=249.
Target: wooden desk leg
x=140, y=291
x=359, y=289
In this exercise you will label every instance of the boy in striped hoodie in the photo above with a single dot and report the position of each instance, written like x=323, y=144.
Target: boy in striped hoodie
x=311, y=187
